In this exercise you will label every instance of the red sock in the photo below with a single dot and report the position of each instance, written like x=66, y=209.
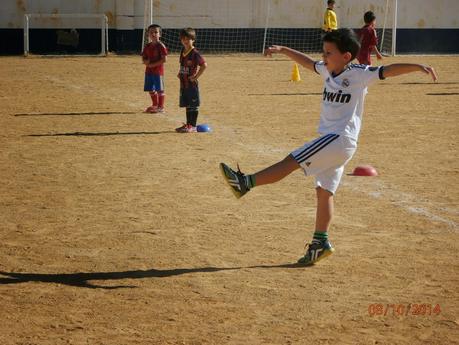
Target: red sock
x=154, y=98
x=161, y=96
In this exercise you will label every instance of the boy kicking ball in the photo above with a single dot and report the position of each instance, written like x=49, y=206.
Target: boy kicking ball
x=345, y=87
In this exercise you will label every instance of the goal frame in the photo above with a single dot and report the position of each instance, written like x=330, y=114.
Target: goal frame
x=147, y=21
x=103, y=27
x=394, y=4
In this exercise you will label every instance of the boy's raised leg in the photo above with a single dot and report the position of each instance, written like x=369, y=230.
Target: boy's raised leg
x=276, y=172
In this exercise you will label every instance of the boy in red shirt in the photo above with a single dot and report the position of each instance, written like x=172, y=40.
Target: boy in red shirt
x=368, y=39
x=154, y=55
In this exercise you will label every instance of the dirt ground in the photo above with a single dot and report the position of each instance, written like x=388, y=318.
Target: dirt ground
x=117, y=230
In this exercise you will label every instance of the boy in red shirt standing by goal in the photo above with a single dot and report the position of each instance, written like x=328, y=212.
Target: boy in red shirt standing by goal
x=154, y=55
x=368, y=40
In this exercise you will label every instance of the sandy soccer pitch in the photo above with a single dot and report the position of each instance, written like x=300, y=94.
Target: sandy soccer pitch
x=117, y=230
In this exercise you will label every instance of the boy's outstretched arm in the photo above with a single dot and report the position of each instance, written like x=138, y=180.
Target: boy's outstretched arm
x=293, y=54
x=396, y=69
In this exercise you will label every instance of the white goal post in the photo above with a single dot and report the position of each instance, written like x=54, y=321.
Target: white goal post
x=388, y=36
x=66, y=21
x=147, y=21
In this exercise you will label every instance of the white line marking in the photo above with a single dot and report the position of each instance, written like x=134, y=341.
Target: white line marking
x=379, y=190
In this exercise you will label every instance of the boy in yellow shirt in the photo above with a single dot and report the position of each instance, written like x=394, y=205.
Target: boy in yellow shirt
x=330, y=20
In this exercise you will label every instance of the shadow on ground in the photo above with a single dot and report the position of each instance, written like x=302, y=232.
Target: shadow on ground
x=101, y=134
x=83, y=279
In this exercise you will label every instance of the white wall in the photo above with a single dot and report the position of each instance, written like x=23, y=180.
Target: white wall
x=128, y=14
x=412, y=14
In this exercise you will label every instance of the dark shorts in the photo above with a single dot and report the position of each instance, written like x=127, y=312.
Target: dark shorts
x=189, y=97
x=153, y=82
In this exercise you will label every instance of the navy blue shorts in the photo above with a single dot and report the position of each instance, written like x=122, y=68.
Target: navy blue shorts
x=189, y=97
x=153, y=82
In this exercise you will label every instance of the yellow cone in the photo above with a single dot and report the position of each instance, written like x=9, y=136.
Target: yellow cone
x=296, y=73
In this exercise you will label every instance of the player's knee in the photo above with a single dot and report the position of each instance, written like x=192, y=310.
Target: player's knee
x=291, y=162
x=323, y=193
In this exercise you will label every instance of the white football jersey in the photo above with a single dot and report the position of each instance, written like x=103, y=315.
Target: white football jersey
x=343, y=97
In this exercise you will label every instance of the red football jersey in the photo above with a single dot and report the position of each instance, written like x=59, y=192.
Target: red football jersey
x=368, y=40
x=154, y=52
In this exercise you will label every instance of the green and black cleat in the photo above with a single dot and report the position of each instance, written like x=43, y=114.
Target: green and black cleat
x=317, y=250
x=235, y=179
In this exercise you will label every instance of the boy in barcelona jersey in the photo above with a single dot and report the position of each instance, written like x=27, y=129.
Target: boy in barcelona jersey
x=192, y=66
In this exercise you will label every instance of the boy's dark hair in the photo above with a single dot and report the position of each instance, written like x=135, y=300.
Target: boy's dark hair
x=154, y=26
x=345, y=39
x=368, y=17
x=331, y=2
x=188, y=33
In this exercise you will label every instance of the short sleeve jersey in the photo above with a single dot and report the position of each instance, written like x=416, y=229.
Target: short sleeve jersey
x=343, y=97
x=188, y=67
x=154, y=52
x=368, y=40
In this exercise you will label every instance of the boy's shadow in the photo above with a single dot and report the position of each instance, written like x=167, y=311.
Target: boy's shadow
x=79, y=113
x=83, y=279
x=92, y=134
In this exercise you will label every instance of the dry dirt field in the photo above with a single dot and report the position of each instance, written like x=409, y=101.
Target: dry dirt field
x=117, y=230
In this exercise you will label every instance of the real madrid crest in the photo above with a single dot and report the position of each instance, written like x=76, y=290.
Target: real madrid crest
x=345, y=82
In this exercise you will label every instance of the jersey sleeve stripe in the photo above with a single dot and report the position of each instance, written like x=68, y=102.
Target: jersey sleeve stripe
x=315, y=69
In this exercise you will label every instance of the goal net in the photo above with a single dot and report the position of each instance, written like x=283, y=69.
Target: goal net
x=209, y=37
x=277, y=22
x=309, y=40
x=65, y=34
x=278, y=31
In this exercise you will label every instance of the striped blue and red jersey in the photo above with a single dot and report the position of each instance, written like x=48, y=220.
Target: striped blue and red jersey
x=189, y=64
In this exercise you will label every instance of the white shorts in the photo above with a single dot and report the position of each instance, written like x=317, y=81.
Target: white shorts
x=325, y=158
